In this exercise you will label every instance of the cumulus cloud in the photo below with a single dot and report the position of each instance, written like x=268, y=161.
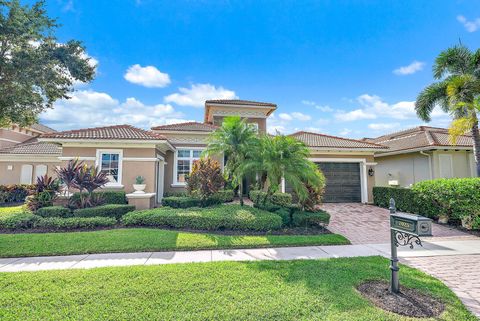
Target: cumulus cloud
x=383, y=126
x=345, y=131
x=196, y=95
x=357, y=114
x=409, y=69
x=148, y=76
x=325, y=109
x=294, y=116
x=470, y=25
x=91, y=108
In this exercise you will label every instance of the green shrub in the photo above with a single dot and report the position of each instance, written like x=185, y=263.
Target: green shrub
x=107, y=197
x=261, y=197
x=305, y=219
x=405, y=199
x=54, y=211
x=108, y=210
x=285, y=214
x=18, y=221
x=180, y=201
x=72, y=223
x=455, y=198
x=226, y=195
x=15, y=193
x=222, y=217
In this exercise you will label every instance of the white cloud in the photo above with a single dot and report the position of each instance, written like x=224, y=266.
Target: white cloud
x=295, y=115
x=148, y=76
x=325, y=109
x=345, y=132
x=88, y=108
x=410, y=69
x=383, y=126
x=196, y=95
x=470, y=25
x=357, y=114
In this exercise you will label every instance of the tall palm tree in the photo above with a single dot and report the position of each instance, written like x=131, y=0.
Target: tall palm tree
x=284, y=157
x=235, y=139
x=457, y=92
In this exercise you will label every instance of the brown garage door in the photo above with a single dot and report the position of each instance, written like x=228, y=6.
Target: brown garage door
x=343, y=182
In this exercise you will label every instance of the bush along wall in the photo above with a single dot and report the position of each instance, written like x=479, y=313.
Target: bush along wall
x=456, y=200
x=15, y=193
x=108, y=197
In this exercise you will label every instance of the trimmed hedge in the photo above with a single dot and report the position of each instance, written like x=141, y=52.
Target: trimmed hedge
x=180, y=201
x=15, y=193
x=108, y=210
x=54, y=211
x=226, y=195
x=19, y=221
x=306, y=219
x=222, y=217
x=109, y=197
x=405, y=200
x=72, y=223
x=280, y=199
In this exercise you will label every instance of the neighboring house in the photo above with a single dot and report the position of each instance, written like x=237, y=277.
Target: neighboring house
x=422, y=153
x=164, y=154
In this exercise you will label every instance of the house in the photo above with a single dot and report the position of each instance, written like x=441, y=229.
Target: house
x=422, y=153
x=164, y=154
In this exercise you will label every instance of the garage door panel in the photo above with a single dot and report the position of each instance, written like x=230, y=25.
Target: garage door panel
x=342, y=182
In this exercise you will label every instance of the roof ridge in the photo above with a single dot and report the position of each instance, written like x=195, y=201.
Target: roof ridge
x=337, y=137
x=182, y=124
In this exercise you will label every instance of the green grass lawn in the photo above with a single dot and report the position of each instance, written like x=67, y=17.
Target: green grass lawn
x=267, y=290
x=145, y=239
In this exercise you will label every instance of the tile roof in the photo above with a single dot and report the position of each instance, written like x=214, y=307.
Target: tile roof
x=32, y=147
x=239, y=102
x=421, y=136
x=42, y=128
x=118, y=132
x=189, y=126
x=321, y=140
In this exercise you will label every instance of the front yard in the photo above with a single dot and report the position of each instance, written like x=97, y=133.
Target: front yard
x=268, y=290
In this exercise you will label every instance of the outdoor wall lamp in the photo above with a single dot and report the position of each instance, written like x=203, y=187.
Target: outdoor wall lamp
x=371, y=172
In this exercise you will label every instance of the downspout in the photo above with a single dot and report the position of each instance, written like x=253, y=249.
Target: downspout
x=429, y=162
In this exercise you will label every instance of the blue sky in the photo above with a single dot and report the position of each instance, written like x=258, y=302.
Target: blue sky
x=349, y=68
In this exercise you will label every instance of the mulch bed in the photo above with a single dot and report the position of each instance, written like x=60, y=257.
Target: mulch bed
x=409, y=302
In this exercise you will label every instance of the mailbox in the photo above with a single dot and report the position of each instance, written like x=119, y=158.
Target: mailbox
x=413, y=224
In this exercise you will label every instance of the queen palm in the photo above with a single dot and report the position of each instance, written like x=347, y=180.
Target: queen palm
x=457, y=92
x=235, y=139
x=284, y=157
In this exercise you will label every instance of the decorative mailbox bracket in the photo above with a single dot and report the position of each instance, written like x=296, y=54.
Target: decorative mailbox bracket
x=405, y=230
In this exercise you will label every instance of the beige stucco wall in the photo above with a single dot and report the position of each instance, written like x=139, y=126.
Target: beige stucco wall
x=13, y=176
x=262, y=122
x=406, y=168
x=414, y=167
x=9, y=137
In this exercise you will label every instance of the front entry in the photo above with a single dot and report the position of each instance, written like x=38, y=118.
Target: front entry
x=160, y=178
x=343, y=182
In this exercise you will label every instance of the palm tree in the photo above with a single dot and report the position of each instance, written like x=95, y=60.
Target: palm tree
x=235, y=139
x=284, y=157
x=457, y=92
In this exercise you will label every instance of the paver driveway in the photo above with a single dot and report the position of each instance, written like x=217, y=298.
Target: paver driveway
x=367, y=224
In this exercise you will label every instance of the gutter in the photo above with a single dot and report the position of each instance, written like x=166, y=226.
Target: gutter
x=429, y=162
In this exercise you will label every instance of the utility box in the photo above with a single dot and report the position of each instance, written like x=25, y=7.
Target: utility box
x=412, y=224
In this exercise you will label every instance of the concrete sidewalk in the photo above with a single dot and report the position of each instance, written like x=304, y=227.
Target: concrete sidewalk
x=86, y=261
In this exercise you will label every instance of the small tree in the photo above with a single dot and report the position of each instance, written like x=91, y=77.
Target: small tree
x=314, y=195
x=68, y=173
x=206, y=178
x=46, y=189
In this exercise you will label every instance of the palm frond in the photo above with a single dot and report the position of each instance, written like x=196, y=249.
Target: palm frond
x=459, y=127
x=455, y=60
x=432, y=95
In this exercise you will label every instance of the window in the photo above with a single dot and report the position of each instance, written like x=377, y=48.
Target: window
x=40, y=170
x=110, y=162
x=26, y=174
x=183, y=163
x=254, y=126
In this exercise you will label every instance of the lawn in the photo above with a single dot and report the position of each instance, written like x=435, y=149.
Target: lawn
x=266, y=290
x=145, y=239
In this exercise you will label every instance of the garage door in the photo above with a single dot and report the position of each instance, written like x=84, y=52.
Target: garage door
x=343, y=182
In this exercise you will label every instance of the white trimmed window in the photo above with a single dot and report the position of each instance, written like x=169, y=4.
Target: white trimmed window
x=184, y=159
x=110, y=162
x=40, y=170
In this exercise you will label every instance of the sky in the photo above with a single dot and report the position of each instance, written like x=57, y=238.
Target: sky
x=345, y=68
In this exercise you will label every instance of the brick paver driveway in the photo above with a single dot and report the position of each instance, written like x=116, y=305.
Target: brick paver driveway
x=366, y=224
x=460, y=273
